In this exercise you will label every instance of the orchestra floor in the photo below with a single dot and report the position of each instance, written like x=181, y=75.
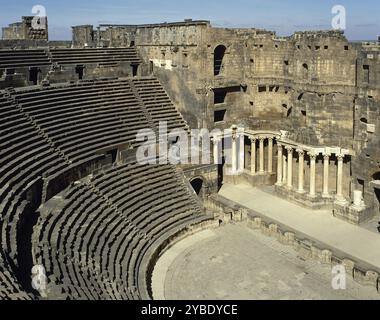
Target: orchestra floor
x=235, y=262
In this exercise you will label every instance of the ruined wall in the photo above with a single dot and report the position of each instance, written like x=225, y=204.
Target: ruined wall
x=303, y=83
x=177, y=56
x=366, y=169
x=28, y=29
x=13, y=32
x=182, y=56
x=83, y=36
x=318, y=86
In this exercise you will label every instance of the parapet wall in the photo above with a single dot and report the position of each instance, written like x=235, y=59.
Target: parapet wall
x=227, y=211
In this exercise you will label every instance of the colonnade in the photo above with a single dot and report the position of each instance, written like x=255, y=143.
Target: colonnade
x=263, y=141
x=285, y=170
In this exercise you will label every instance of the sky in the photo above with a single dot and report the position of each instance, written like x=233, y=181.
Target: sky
x=282, y=16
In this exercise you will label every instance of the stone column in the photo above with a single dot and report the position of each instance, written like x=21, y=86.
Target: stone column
x=253, y=156
x=326, y=163
x=234, y=155
x=290, y=167
x=312, y=156
x=262, y=170
x=284, y=170
x=216, y=142
x=270, y=155
x=279, y=164
x=358, y=200
x=301, y=161
x=339, y=190
x=241, y=152
x=98, y=37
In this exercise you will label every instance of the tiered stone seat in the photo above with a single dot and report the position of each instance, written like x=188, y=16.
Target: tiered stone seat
x=158, y=103
x=25, y=156
x=23, y=58
x=84, y=118
x=94, y=246
x=97, y=55
x=9, y=288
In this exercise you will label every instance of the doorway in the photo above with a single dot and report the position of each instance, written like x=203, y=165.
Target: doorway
x=219, y=53
x=33, y=75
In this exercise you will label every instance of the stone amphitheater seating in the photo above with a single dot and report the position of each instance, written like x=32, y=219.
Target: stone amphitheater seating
x=98, y=55
x=107, y=225
x=23, y=58
x=158, y=102
x=94, y=247
x=12, y=59
x=25, y=156
x=83, y=118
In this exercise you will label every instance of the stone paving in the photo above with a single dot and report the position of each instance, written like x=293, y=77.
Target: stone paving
x=353, y=241
x=235, y=262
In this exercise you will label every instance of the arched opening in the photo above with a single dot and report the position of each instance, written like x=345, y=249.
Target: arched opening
x=376, y=176
x=79, y=70
x=219, y=53
x=197, y=185
x=377, y=195
x=33, y=75
x=135, y=68
x=305, y=66
x=364, y=120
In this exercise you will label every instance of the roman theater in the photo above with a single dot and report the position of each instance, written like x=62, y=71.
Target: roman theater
x=290, y=194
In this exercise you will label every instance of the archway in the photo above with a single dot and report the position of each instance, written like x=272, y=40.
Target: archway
x=219, y=53
x=376, y=177
x=377, y=195
x=79, y=70
x=197, y=185
x=33, y=75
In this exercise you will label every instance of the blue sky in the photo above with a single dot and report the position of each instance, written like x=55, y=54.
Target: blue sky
x=282, y=16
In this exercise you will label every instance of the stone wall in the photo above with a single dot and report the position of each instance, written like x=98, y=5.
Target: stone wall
x=321, y=88
x=27, y=30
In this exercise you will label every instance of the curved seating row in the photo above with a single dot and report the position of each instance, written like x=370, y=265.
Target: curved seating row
x=97, y=55
x=23, y=58
x=158, y=102
x=46, y=130
x=87, y=117
x=25, y=156
x=93, y=247
x=44, y=57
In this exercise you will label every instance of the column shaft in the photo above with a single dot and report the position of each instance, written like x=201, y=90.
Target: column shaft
x=339, y=191
x=279, y=164
x=262, y=170
x=290, y=168
x=284, y=170
x=241, y=152
x=253, y=156
x=270, y=155
x=216, y=151
x=301, y=161
x=326, y=162
x=234, y=156
x=312, y=174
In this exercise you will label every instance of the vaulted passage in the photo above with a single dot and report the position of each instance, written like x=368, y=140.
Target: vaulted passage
x=377, y=194
x=33, y=75
x=219, y=53
x=197, y=185
x=79, y=70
